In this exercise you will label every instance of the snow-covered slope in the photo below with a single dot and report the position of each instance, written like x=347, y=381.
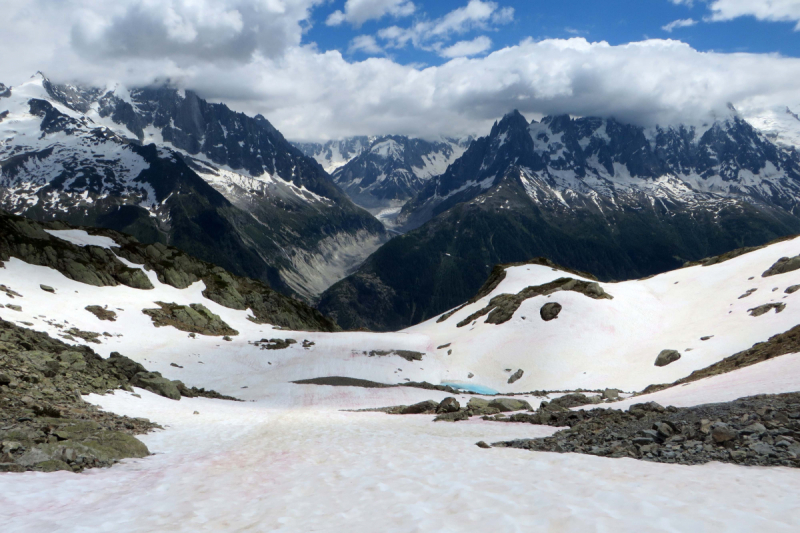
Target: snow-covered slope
x=289, y=459
x=779, y=124
x=594, y=343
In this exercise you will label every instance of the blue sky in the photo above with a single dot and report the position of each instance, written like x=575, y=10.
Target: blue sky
x=613, y=21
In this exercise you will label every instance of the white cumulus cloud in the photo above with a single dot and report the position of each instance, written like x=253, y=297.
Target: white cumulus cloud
x=768, y=10
x=357, y=12
x=216, y=49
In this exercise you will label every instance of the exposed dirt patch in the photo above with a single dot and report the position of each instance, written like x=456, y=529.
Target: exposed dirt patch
x=338, y=381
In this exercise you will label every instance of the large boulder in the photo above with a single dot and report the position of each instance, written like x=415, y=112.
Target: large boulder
x=157, y=384
x=448, y=405
x=550, y=311
x=667, y=356
x=479, y=406
x=505, y=405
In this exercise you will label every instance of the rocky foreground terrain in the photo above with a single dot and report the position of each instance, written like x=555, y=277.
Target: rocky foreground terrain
x=45, y=424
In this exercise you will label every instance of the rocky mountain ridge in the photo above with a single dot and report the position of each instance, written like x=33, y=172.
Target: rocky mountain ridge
x=591, y=194
x=167, y=166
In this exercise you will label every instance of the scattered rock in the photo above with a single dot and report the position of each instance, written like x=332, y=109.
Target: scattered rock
x=707, y=337
x=9, y=292
x=47, y=288
x=470, y=375
x=408, y=355
x=666, y=357
x=102, y=313
x=227, y=338
x=14, y=307
x=516, y=376
x=792, y=289
x=308, y=344
x=275, y=344
x=759, y=430
x=88, y=336
x=550, y=311
x=443, y=346
x=766, y=308
x=747, y=293
x=481, y=444
x=176, y=365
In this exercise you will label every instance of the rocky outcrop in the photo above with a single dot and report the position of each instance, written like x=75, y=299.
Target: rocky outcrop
x=761, y=430
x=193, y=318
x=782, y=266
x=502, y=307
x=26, y=240
x=666, y=357
x=44, y=423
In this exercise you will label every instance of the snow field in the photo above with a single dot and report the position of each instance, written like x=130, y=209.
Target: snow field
x=249, y=467
x=614, y=343
x=288, y=459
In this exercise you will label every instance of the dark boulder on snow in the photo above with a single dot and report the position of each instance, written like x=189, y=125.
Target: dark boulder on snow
x=516, y=376
x=550, y=311
x=667, y=356
x=448, y=405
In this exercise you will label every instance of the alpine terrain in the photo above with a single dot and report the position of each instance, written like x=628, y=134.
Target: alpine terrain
x=170, y=370
x=389, y=170
x=592, y=194
x=166, y=166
